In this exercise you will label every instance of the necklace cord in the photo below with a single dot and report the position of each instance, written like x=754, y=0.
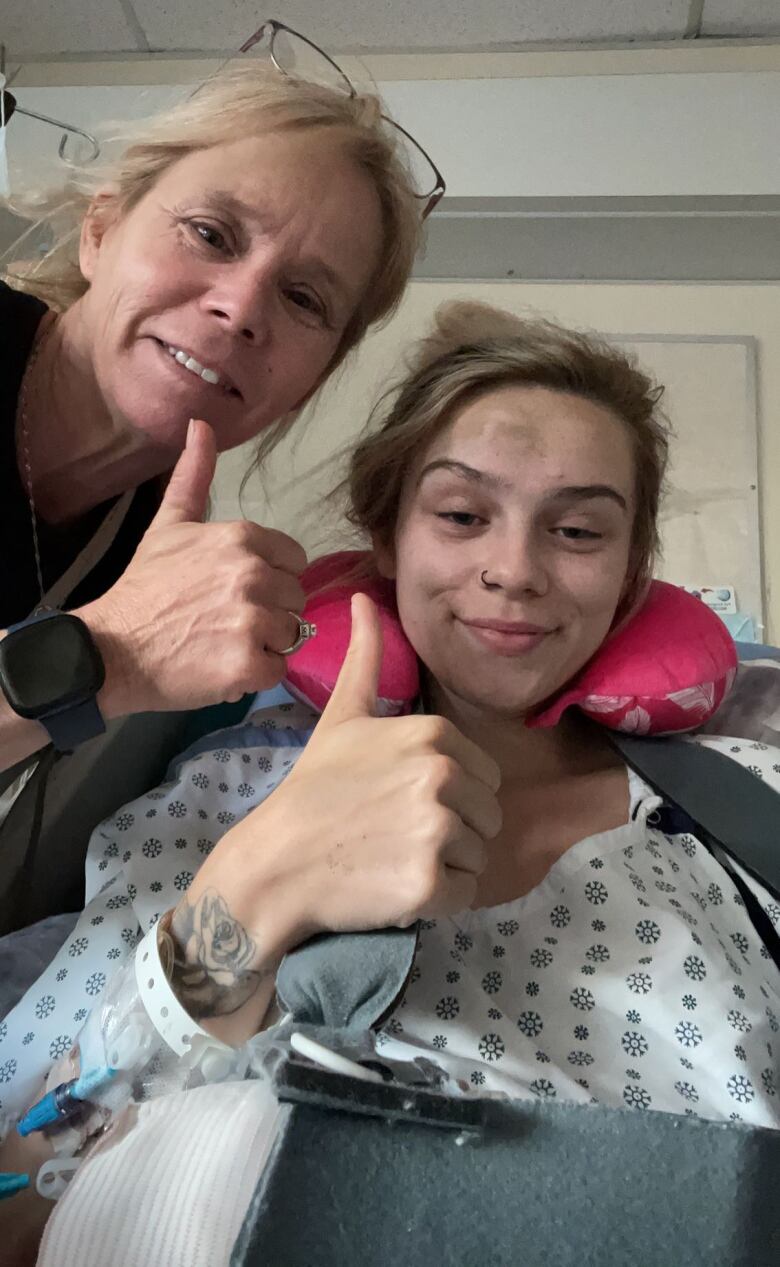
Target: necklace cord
x=24, y=437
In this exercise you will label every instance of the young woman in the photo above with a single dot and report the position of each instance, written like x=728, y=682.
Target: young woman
x=575, y=940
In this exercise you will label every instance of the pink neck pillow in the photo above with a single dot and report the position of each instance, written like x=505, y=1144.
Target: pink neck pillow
x=667, y=669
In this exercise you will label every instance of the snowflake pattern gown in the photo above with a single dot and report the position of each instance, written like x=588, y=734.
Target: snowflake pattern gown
x=632, y=975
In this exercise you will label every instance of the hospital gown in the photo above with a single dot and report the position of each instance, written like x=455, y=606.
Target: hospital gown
x=632, y=975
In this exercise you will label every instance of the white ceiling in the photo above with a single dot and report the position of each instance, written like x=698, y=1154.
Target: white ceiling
x=55, y=27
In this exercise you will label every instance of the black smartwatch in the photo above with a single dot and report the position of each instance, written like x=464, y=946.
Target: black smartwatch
x=51, y=672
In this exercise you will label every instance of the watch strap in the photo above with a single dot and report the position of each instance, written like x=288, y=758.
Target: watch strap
x=40, y=613
x=74, y=725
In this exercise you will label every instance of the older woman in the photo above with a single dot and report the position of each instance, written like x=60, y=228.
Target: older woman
x=512, y=496
x=219, y=269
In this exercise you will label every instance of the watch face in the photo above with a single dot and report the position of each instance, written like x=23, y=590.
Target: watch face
x=50, y=664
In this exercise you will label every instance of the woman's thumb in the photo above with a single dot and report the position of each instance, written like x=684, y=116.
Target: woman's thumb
x=355, y=692
x=186, y=496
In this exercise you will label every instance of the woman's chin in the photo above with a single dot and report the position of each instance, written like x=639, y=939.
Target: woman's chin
x=158, y=401
x=166, y=436
x=499, y=700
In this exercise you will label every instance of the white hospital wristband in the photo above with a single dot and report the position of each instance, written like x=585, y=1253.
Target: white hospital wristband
x=174, y=1025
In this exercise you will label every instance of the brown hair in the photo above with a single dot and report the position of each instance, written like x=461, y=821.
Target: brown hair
x=474, y=349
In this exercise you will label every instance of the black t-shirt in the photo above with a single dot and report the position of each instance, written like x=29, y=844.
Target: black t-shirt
x=20, y=316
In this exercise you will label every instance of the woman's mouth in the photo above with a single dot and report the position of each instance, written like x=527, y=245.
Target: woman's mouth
x=507, y=637
x=192, y=365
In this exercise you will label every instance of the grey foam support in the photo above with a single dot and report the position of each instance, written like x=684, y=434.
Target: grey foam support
x=546, y=1186
x=346, y=981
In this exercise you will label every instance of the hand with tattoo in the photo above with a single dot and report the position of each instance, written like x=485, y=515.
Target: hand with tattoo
x=381, y=822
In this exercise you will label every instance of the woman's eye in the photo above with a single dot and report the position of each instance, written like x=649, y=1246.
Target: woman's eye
x=578, y=534
x=307, y=302
x=208, y=234
x=461, y=518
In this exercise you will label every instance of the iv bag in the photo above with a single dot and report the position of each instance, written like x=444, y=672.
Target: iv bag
x=5, y=184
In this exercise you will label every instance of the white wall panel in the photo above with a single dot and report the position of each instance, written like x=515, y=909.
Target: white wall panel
x=610, y=135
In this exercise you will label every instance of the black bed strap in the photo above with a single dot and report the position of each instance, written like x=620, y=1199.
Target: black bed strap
x=732, y=808
x=737, y=809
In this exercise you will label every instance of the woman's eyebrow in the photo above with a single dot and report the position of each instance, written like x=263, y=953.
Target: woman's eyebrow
x=569, y=493
x=586, y=493
x=236, y=206
x=471, y=473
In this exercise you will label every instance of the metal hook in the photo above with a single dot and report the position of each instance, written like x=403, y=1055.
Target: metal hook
x=11, y=107
x=66, y=127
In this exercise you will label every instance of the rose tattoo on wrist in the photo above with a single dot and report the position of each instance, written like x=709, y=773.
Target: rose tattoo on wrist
x=213, y=956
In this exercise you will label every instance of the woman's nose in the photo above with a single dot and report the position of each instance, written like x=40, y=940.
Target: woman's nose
x=242, y=302
x=517, y=567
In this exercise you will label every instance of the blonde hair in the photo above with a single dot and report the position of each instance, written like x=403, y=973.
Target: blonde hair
x=244, y=101
x=474, y=349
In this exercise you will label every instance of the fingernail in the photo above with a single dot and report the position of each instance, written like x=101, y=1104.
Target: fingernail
x=190, y=426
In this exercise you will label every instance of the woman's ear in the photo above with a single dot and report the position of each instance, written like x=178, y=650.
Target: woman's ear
x=384, y=557
x=101, y=214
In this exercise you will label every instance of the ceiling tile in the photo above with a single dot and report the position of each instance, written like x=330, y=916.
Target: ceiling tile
x=409, y=25
x=746, y=18
x=49, y=26
x=81, y=26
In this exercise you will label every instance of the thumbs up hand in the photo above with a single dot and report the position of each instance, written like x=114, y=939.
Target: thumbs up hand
x=382, y=821
x=203, y=610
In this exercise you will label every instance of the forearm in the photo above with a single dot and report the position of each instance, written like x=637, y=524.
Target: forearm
x=244, y=911
x=19, y=738
x=224, y=984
